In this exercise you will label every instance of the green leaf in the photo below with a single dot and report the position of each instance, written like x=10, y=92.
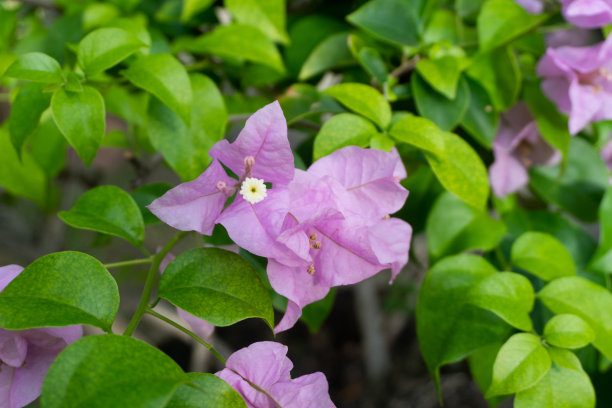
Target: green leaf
x=441, y=73
x=314, y=314
x=239, y=41
x=508, y=295
x=26, y=110
x=267, y=16
x=145, y=195
x=587, y=300
x=99, y=14
x=48, y=147
x=420, y=133
x=185, y=148
x=364, y=100
x=564, y=385
x=542, y=255
x=520, y=364
x=480, y=119
x=110, y=210
x=193, y=7
x=568, y=331
x=448, y=327
x=166, y=78
x=443, y=26
x=342, y=130
x=438, y=108
x=369, y=58
x=80, y=116
x=501, y=21
x=210, y=391
x=60, y=289
x=111, y=371
x=453, y=227
x=217, y=286
x=394, y=21
x=481, y=367
x=105, y=48
x=332, y=52
x=499, y=73
x=37, y=67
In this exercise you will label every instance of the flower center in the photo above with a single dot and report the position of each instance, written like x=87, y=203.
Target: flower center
x=253, y=190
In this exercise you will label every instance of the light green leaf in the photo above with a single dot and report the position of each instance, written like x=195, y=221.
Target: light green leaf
x=37, y=67
x=210, y=391
x=106, y=47
x=193, y=7
x=443, y=26
x=448, y=327
x=587, y=300
x=501, y=21
x=332, y=52
x=98, y=14
x=342, y=130
x=363, y=99
x=520, y=364
x=420, y=133
x=565, y=385
x=26, y=110
x=568, y=331
x=394, y=21
x=439, y=109
x=480, y=119
x=441, y=73
x=110, y=210
x=60, y=289
x=217, y=286
x=542, y=255
x=111, y=371
x=265, y=15
x=239, y=41
x=80, y=116
x=185, y=148
x=508, y=295
x=166, y=78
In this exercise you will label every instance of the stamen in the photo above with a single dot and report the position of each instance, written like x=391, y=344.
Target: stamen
x=386, y=217
x=311, y=269
x=223, y=188
x=312, y=237
x=316, y=245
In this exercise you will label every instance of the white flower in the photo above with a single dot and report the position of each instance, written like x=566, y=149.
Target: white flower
x=253, y=190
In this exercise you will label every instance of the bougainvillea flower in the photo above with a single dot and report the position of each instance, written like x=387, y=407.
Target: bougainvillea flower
x=517, y=146
x=260, y=154
x=532, y=6
x=587, y=13
x=26, y=355
x=261, y=373
x=579, y=81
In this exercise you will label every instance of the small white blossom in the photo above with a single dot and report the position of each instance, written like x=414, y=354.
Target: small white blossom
x=253, y=190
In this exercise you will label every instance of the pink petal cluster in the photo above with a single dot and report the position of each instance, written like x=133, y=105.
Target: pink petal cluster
x=261, y=374
x=517, y=146
x=587, y=13
x=26, y=355
x=320, y=228
x=579, y=81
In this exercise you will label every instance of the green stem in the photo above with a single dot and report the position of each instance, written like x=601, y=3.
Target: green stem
x=148, y=288
x=128, y=263
x=188, y=332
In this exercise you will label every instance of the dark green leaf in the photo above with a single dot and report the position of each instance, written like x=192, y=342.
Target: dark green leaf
x=193, y=7
x=363, y=99
x=332, y=52
x=438, y=108
x=210, y=391
x=480, y=119
x=48, y=147
x=314, y=314
x=26, y=110
x=106, y=47
x=342, y=130
x=37, y=67
x=542, y=255
x=394, y=21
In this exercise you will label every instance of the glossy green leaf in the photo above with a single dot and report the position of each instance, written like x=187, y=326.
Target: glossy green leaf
x=166, y=78
x=111, y=371
x=363, y=99
x=480, y=119
x=564, y=385
x=332, y=52
x=239, y=41
x=80, y=116
x=453, y=226
x=394, y=21
x=501, y=21
x=342, y=130
x=60, y=289
x=193, y=7
x=448, y=327
x=438, y=108
x=267, y=16
x=37, y=67
x=110, y=210
x=551, y=124
x=26, y=110
x=520, y=364
x=442, y=74
x=508, y=295
x=106, y=47
x=587, y=300
x=542, y=255
x=216, y=285
x=568, y=331
x=210, y=391
x=185, y=148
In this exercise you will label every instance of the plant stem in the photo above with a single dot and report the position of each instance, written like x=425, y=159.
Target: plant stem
x=188, y=332
x=142, y=261
x=148, y=288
